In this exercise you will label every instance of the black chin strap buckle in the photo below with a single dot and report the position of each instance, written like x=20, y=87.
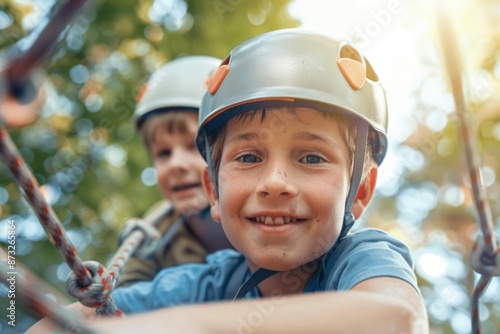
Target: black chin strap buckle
x=347, y=224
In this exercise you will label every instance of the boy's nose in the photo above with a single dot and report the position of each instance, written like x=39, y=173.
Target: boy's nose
x=179, y=161
x=276, y=183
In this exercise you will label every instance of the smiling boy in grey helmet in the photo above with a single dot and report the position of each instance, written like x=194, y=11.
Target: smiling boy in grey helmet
x=293, y=128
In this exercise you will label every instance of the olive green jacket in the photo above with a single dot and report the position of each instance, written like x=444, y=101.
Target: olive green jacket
x=181, y=247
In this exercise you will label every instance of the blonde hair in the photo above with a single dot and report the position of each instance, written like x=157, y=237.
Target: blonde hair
x=170, y=121
x=347, y=126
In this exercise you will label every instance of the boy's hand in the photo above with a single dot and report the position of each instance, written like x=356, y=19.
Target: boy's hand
x=175, y=320
x=47, y=325
x=16, y=114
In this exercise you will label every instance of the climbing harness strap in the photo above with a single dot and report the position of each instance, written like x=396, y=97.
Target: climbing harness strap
x=170, y=233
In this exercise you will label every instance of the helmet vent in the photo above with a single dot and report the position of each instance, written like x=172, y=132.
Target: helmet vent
x=226, y=61
x=217, y=76
x=370, y=73
x=350, y=52
x=352, y=66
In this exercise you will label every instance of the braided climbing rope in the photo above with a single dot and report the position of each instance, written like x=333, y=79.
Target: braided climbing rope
x=49, y=220
x=485, y=255
x=25, y=179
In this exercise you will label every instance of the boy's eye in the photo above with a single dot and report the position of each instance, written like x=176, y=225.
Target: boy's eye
x=249, y=158
x=312, y=159
x=163, y=153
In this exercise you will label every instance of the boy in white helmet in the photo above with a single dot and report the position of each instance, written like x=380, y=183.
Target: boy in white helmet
x=166, y=116
x=293, y=128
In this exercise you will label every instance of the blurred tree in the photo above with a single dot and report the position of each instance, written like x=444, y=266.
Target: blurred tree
x=432, y=200
x=95, y=170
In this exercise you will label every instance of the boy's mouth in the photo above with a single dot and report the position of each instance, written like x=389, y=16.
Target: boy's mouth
x=275, y=220
x=186, y=186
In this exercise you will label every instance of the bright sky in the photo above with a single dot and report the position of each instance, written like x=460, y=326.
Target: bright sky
x=376, y=28
x=379, y=29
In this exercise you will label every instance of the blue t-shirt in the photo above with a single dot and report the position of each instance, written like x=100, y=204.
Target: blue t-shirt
x=359, y=256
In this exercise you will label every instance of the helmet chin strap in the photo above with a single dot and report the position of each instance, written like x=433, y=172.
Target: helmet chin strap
x=208, y=158
x=254, y=280
x=359, y=158
x=357, y=174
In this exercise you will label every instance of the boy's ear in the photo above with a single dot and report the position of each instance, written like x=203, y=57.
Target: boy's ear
x=365, y=193
x=209, y=188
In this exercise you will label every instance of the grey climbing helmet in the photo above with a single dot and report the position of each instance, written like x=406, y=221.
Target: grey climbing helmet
x=298, y=67
x=179, y=84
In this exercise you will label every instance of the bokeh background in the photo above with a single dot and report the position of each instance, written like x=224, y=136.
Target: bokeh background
x=95, y=173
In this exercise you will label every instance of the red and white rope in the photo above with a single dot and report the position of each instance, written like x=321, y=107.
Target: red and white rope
x=44, y=212
x=25, y=179
x=485, y=254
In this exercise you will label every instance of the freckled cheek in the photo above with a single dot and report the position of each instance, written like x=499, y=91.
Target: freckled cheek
x=329, y=213
x=165, y=189
x=328, y=203
x=227, y=175
x=161, y=178
x=230, y=202
x=229, y=218
x=234, y=183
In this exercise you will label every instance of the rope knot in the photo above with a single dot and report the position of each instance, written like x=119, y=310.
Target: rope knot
x=481, y=261
x=97, y=293
x=149, y=244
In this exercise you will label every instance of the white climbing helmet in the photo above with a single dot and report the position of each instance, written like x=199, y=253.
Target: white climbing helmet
x=297, y=67
x=179, y=84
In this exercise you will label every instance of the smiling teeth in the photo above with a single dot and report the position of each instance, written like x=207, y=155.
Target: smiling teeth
x=274, y=221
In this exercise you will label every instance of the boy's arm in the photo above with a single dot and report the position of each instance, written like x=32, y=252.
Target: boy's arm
x=404, y=294
x=47, y=325
x=379, y=305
